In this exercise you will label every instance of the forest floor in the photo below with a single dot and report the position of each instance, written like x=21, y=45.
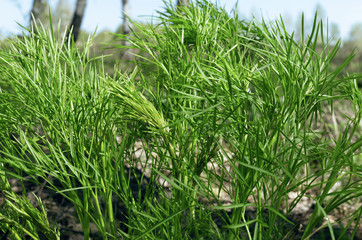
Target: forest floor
x=62, y=214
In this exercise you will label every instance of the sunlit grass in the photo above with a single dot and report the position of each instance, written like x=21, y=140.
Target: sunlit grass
x=230, y=115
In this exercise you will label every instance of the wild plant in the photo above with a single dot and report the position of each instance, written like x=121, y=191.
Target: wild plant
x=226, y=113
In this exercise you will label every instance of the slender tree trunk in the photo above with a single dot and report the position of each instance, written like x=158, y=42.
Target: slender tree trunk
x=126, y=9
x=126, y=12
x=77, y=19
x=183, y=2
x=37, y=12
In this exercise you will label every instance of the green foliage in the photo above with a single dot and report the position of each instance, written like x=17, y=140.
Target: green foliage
x=222, y=109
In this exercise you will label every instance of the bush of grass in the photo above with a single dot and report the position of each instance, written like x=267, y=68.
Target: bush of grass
x=230, y=111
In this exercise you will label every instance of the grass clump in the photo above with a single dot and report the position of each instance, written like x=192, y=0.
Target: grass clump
x=225, y=112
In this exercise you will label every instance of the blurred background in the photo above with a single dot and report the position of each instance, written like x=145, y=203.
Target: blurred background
x=344, y=17
x=108, y=16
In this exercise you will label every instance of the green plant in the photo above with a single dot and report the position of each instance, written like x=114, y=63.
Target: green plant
x=255, y=88
x=229, y=110
x=55, y=111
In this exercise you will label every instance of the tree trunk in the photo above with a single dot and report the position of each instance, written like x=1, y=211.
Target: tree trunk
x=37, y=12
x=126, y=27
x=77, y=19
x=183, y=2
x=125, y=15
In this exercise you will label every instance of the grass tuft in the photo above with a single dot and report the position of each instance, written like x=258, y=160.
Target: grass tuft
x=219, y=132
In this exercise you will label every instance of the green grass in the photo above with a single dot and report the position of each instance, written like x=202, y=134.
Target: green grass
x=212, y=91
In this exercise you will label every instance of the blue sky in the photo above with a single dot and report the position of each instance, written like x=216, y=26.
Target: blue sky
x=106, y=14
